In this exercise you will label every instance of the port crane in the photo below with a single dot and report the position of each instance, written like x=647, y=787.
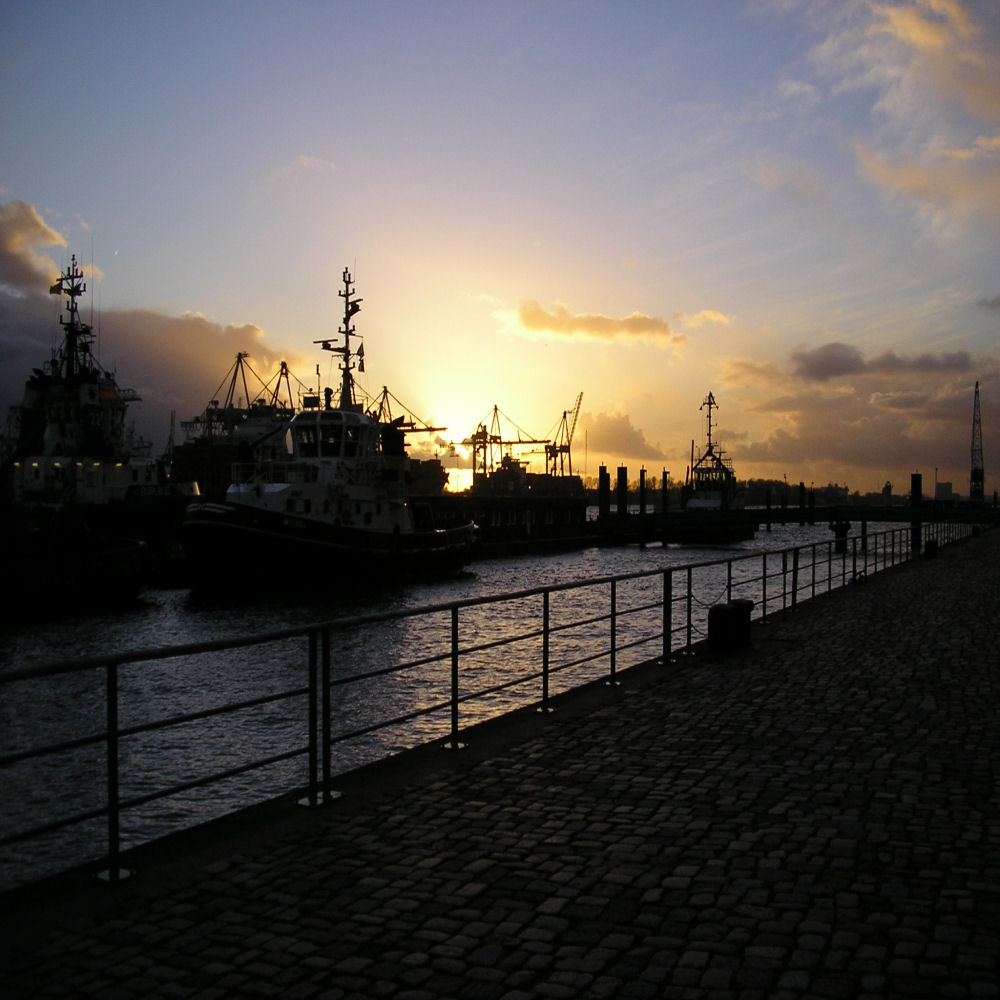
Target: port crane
x=976, y=477
x=557, y=453
x=490, y=447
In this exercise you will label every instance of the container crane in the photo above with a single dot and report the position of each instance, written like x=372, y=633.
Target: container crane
x=557, y=454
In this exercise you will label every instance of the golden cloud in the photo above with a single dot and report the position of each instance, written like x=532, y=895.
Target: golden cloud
x=699, y=319
x=945, y=58
x=22, y=230
x=929, y=26
x=957, y=187
x=562, y=323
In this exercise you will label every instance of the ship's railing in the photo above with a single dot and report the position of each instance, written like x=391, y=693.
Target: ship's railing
x=555, y=637
x=273, y=472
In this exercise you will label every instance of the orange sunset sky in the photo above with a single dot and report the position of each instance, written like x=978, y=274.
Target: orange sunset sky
x=794, y=204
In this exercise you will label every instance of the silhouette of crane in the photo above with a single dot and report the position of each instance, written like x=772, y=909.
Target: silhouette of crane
x=490, y=448
x=976, y=476
x=557, y=454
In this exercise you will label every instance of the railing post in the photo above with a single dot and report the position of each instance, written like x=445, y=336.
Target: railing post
x=453, y=743
x=115, y=872
x=688, y=647
x=544, y=707
x=795, y=577
x=812, y=585
x=668, y=607
x=328, y=794
x=763, y=586
x=784, y=581
x=729, y=580
x=611, y=682
x=312, y=799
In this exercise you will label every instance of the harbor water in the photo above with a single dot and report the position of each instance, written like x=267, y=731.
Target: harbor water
x=49, y=710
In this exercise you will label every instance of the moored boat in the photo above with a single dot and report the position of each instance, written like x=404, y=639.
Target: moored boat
x=334, y=511
x=70, y=458
x=708, y=494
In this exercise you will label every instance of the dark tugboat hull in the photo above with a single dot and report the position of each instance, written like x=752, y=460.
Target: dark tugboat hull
x=260, y=544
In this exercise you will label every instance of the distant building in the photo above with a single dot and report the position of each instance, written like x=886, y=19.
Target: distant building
x=943, y=491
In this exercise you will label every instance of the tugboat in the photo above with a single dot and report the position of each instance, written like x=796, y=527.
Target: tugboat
x=78, y=485
x=711, y=483
x=709, y=493
x=335, y=510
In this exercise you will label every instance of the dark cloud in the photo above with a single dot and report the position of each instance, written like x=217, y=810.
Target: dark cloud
x=992, y=304
x=868, y=437
x=613, y=434
x=174, y=363
x=890, y=363
x=828, y=361
x=835, y=360
x=561, y=322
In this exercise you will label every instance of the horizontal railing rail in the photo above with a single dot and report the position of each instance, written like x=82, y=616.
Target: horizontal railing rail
x=641, y=616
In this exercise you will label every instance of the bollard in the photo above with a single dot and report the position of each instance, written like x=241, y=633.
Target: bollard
x=729, y=626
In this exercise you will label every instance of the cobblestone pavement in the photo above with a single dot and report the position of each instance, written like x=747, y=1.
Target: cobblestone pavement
x=815, y=817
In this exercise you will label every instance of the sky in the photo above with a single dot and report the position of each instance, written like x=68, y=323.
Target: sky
x=793, y=204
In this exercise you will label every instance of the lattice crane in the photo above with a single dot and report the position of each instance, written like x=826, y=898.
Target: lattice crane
x=557, y=454
x=976, y=476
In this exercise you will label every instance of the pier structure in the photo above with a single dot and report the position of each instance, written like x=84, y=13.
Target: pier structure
x=813, y=815
x=647, y=524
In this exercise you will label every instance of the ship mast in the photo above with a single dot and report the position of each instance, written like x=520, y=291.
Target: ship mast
x=709, y=402
x=78, y=336
x=352, y=306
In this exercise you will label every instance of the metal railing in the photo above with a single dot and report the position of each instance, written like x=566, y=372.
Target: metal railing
x=574, y=633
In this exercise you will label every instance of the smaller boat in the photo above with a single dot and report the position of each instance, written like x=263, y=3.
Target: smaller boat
x=334, y=510
x=708, y=495
x=711, y=483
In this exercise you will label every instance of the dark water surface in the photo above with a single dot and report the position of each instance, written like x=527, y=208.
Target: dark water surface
x=59, y=708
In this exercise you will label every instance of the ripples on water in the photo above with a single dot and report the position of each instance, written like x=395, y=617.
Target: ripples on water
x=38, y=712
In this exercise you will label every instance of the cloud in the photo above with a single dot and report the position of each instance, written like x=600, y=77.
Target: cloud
x=836, y=360
x=304, y=165
x=22, y=230
x=992, y=304
x=562, y=323
x=945, y=186
x=828, y=361
x=890, y=363
x=936, y=58
x=699, y=319
x=798, y=92
x=930, y=25
x=614, y=435
x=801, y=183
x=983, y=146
